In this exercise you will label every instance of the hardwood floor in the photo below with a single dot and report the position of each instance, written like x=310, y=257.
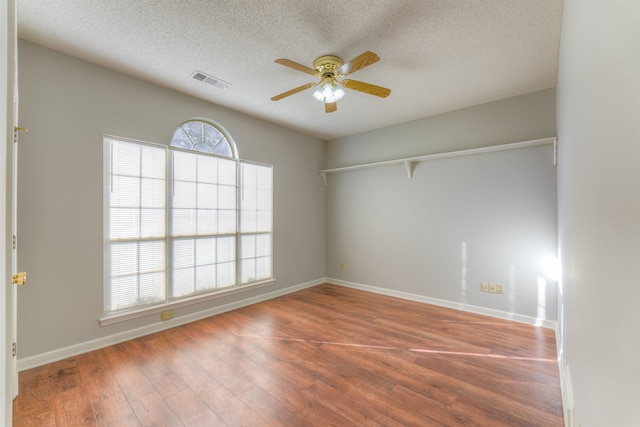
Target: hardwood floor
x=323, y=356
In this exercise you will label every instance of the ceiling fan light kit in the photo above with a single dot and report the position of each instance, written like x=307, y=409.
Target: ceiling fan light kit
x=329, y=92
x=330, y=69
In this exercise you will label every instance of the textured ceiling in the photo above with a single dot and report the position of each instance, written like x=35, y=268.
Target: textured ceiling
x=435, y=55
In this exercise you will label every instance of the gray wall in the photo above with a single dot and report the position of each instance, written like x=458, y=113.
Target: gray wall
x=68, y=105
x=515, y=119
x=599, y=208
x=458, y=221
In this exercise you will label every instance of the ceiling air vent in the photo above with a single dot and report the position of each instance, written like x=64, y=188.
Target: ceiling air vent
x=213, y=81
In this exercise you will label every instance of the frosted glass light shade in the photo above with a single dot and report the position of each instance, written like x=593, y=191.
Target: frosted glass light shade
x=329, y=92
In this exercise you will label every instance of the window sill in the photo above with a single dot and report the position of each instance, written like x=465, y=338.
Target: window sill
x=134, y=314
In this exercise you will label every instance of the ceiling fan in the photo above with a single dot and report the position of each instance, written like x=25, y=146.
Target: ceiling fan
x=330, y=69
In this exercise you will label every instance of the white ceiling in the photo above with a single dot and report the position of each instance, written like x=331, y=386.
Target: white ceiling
x=435, y=55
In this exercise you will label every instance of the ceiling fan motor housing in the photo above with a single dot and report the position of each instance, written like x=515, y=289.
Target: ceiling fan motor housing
x=327, y=66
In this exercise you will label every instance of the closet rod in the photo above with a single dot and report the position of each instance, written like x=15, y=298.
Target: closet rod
x=408, y=162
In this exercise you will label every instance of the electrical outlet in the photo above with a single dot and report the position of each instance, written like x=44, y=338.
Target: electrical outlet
x=166, y=315
x=484, y=287
x=342, y=266
x=500, y=288
x=492, y=288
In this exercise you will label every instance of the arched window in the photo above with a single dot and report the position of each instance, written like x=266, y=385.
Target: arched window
x=183, y=221
x=204, y=136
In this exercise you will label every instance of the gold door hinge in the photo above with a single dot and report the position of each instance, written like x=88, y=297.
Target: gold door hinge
x=14, y=350
x=20, y=279
x=17, y=129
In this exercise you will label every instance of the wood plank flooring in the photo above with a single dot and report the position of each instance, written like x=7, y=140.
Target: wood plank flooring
x=323, y=356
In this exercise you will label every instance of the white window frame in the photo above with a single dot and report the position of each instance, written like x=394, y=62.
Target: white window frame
x=110, y=317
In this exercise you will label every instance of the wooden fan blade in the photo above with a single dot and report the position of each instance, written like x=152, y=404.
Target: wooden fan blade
x=358, y=63
x=289, y=63
x=380, y=91
x=330, y=107
x=292, y=91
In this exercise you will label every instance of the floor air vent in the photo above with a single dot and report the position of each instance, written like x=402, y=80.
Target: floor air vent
x=213, y=81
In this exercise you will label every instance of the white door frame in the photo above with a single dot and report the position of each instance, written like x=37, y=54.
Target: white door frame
x=8, y=367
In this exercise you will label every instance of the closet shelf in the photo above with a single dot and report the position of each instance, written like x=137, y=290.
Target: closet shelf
x=409, y=162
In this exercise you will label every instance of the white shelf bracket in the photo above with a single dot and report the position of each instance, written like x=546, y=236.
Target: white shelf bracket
x=323, y=175
x=409, y=165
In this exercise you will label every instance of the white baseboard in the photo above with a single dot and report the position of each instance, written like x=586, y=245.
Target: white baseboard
x=449, y=304
x=568, y=405
x=74, y=350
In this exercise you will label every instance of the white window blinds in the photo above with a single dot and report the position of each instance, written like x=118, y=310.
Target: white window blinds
x=203, y=223
x=135, y=225
x=255, y=222
x=180, y=223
